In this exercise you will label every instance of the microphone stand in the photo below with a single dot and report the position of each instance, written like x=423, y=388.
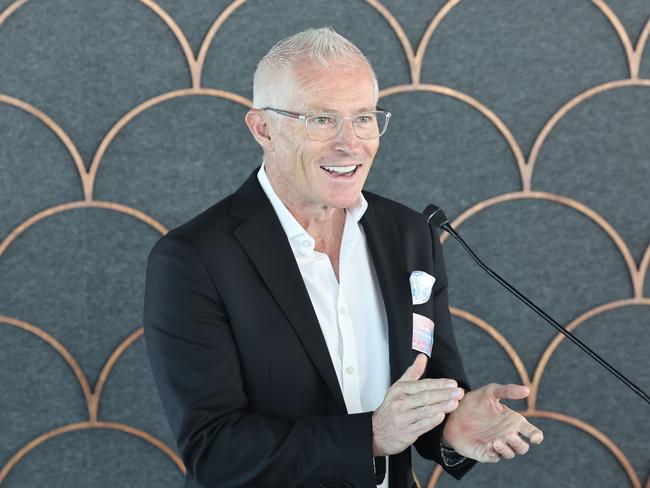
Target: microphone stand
x=437, y=217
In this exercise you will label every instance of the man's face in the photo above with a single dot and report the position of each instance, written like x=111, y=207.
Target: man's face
x=297, y=166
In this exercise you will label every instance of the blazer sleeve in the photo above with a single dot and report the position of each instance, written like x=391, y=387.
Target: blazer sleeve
x=445, y=361
x=195, y=363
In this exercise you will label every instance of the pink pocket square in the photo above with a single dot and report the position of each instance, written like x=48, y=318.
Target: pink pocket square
x=422, y=334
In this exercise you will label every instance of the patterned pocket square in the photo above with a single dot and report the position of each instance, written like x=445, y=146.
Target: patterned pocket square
x=421, y=285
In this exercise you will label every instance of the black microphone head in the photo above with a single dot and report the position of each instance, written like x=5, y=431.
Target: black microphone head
x=435, y=216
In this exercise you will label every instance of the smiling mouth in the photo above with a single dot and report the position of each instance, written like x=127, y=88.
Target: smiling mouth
x=341, y=170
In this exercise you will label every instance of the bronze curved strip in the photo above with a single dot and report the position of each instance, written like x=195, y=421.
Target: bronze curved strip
x=108, y=367
x=401, y=35
x=127, y=429
x=568, y=202
x=416, y=479
x=643, y=268
x=134, y=112
x=54, y=127
x=594, y=432
x=475, y=104
x=435, y=476
x=638, y=51
x=59, y=348
x=48, y=212
x=580, y=424
x=622, y=35
x=567, y=107
x=212, y=31
x=498, y=338
x=195, y=69
x=554, y=344
x=424, y=41
x=6, y=13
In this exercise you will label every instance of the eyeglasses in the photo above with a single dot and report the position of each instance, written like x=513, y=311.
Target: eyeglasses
x=326, y=126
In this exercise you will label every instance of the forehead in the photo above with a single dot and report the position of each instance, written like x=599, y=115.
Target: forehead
x=347, y=87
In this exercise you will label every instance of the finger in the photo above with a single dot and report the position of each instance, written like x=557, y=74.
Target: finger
x=415, y=370
x=413, y=387
x=449, y=396
x=425, y=411
x=491, y=456
x=503, y=449
x=531, y=432
x=517, y=444
x=432, y=397
x=426, y=424
x=510, y=392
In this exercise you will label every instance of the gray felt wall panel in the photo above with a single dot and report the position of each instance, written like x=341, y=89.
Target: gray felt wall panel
x=527, y=121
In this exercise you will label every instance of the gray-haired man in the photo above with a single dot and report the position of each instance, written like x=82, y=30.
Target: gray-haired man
x=280, y=323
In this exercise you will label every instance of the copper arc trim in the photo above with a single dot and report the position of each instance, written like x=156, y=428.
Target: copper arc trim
x=53, y=126
x=398, y=30
x=92, y=397
x=424, y=41
x=567, y=107
x=498, y=338
x=574, y=324
x=475, y=104
x=435, y=476
x=6, y=13
x=643, y=268
x=633, y=54
x=207, y=40
x=579, y=424
x=414, y=59
x=195, y=69
x=48, y=212
x=635, y=273
x=127, y=429
x=108, y=367
x=89, y=178
x=59, y=348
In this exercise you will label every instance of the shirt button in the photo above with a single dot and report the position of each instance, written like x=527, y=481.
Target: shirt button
x=349, y=370
x=305, y=243
x=342, y=310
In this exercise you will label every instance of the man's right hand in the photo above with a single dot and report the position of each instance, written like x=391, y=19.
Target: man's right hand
x=410, y=408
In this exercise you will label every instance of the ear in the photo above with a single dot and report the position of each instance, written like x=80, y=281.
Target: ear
x=258, y=123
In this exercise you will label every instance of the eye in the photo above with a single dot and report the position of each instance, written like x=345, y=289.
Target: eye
x=365, y=119
x=322, y=121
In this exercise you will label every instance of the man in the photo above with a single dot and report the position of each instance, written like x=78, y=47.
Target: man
x=281, y=323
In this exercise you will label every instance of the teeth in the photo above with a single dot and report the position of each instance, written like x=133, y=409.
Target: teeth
x=340, y=169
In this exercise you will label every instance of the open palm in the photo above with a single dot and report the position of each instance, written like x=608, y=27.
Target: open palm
x=484, y=429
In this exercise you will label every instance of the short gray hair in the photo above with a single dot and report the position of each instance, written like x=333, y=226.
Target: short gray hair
x=274, y=74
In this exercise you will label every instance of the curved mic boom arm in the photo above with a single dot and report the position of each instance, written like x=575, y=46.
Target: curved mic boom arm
x=435, y=216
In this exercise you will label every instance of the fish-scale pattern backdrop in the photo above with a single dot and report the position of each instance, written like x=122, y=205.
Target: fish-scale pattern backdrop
x=527, y=121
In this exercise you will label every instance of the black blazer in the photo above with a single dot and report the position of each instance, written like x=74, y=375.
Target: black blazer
x=240, y=361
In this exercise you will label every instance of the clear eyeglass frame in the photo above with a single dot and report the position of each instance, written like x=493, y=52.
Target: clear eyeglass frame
x=328, y=132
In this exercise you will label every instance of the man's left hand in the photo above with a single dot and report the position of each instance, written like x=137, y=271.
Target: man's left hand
x=484, y=429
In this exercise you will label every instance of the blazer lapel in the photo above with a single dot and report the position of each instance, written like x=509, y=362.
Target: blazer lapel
x=387, y=255
x=264, y=240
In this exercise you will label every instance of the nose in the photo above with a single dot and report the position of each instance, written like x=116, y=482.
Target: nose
x=346, y=137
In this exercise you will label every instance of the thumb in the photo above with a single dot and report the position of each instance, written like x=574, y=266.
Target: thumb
x=510, y=392
x=415, y=370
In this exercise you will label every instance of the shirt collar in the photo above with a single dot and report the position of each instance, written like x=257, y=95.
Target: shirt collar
x=289, y=223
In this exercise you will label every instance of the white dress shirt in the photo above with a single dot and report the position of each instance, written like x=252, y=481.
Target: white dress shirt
x=350, y=311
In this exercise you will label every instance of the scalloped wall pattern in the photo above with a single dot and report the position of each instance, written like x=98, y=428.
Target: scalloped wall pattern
x=535, y=144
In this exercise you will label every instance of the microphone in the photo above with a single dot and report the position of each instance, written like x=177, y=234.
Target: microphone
x=436, y=217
